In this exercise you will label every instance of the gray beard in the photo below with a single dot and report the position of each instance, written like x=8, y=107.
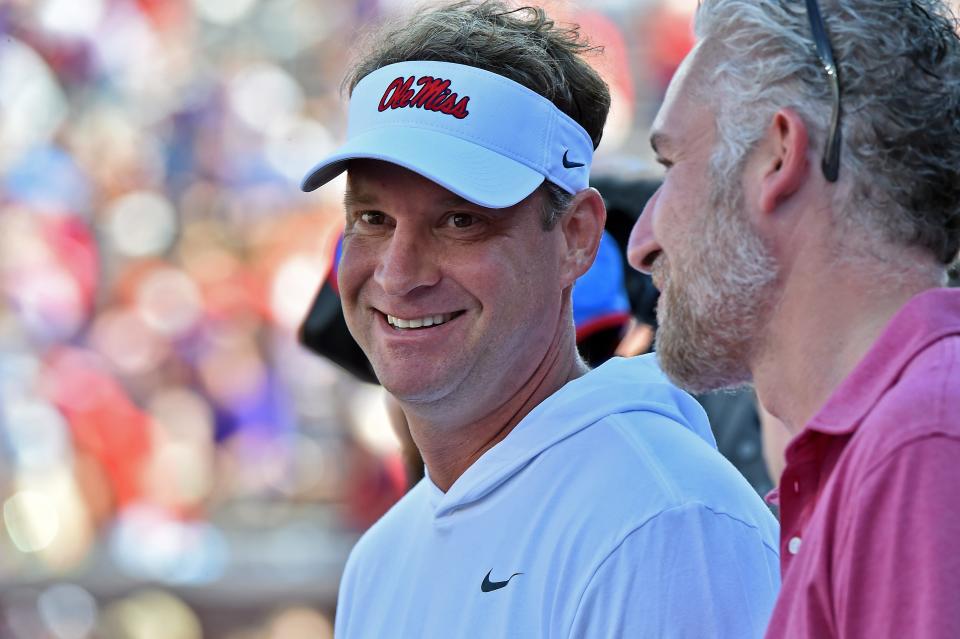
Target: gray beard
x=713, y=310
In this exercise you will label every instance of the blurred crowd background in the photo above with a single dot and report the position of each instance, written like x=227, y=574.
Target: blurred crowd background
x=173, y=465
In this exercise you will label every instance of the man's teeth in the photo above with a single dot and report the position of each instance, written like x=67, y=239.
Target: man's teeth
x=420, y=322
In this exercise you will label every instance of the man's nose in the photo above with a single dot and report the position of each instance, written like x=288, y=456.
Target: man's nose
x=408, y=263
x=643, y=248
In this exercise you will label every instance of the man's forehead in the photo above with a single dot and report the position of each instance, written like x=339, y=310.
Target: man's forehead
x=681, y=112
x=368, y=180
x=371, y=195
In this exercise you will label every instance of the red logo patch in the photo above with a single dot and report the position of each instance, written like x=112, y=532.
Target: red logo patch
x=434, y=95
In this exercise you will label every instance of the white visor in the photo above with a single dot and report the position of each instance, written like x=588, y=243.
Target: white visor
x=480, y=135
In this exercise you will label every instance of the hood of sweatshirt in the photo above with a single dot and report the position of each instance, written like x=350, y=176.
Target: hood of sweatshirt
x=618, y=386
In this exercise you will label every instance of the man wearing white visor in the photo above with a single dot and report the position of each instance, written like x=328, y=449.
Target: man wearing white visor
x=558, y=502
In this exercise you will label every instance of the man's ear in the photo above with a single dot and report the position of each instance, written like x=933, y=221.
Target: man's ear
x=784, y=164
x=581, y=226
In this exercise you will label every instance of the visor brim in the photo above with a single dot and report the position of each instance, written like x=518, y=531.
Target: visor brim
x=475, y=173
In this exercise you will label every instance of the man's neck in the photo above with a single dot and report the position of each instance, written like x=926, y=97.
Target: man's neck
x=449, y=451
x=823, y=326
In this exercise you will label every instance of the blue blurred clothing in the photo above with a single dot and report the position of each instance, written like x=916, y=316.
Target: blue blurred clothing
x=600, y=295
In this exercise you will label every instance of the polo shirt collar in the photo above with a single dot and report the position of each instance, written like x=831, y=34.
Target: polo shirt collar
x=924, y=319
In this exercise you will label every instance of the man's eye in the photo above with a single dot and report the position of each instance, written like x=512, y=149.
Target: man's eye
x=375, y=218
x=461, y=220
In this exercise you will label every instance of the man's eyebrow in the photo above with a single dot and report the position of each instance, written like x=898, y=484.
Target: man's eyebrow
x=352, y=198
x=357, y=198
x=455, y=201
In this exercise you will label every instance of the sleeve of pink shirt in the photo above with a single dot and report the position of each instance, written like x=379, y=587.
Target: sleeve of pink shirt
x=897, y=566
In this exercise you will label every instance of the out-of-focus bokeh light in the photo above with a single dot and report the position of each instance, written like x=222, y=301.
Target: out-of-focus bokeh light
x=294, y=144
x=19, y=372
x=151, y=614
x=48, y=180
x=142, y=224
x=264, y=94
x=151, y=68
x=32, y=103
x=169, y=302
x=31, y=519
x=294, y=285
x=50, y=518
x=21, y=618
x=183, y=414
x=298, y=623
x=47, y=272
x=331, y=193
x=127, y=341
x=224, y=12
x=36, y=433
x=149, y=544
x=290, y=27
x=681, y=7
x=372, y=423
x=178, y=474
x=50, y=302
x=71, y=17
x=233, y=369
x=68, y=611
x=116, y=148
x=315, y=466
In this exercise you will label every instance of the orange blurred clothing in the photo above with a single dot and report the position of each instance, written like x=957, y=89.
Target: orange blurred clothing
x=103, y=420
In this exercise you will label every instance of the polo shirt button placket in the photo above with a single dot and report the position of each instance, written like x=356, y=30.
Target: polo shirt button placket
x=793, y=546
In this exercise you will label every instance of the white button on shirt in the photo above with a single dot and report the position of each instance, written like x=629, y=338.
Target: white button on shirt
x=793, y=546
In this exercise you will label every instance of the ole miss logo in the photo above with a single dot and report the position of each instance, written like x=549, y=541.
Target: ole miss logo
x=434, y=94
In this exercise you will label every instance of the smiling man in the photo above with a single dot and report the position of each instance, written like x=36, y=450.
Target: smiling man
x=800, y=239
x=558, y=502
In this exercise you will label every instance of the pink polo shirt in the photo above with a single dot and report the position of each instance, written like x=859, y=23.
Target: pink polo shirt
x=870, y=497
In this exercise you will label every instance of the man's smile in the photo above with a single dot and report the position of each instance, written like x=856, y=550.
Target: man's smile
x=424, y=321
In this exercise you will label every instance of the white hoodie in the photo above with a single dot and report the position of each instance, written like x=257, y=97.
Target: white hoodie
x=606, y=512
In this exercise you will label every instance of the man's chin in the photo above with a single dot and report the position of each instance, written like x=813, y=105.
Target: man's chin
x=696, y=367
x=414, y=389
